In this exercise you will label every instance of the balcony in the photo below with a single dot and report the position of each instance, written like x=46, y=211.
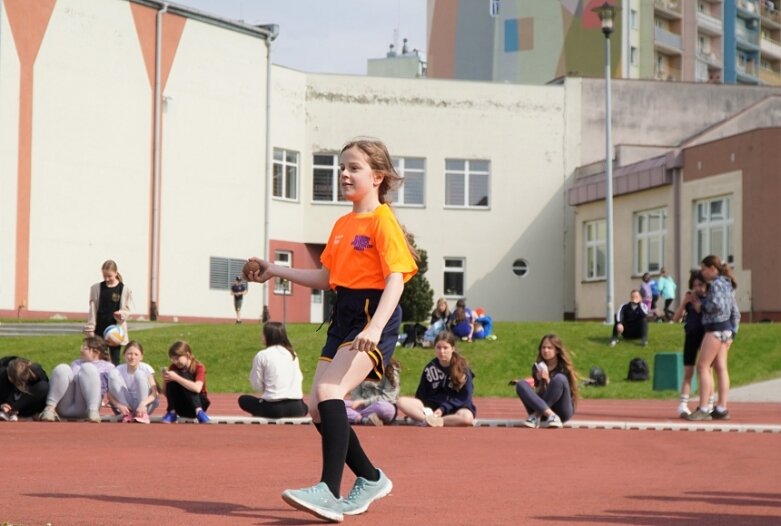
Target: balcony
x=770, y=76
x=747, y=8
x=667, y=41
x=709, y=58
x=710, y=25
x=670, y=9
x=665, y=73
x=747, y=68
x=747, y=38
x=770, y=17
x=770, y=47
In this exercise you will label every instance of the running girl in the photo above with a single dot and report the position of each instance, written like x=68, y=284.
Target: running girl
x=367, y=261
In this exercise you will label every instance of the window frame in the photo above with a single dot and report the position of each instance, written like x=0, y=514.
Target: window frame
x=283, y=286
x=708, y=225
x=468, y=173
x=283, y=164
x=399, y=197
x=336, y=194
x=646, y=238
x=223, y=272
x=457, y=270
x=591, y=250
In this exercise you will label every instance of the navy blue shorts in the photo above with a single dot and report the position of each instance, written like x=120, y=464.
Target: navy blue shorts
x=352, y=313
x=691, y=346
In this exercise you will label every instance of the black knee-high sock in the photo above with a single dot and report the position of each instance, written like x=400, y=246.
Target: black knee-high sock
x=356, y=458
x=334, y=430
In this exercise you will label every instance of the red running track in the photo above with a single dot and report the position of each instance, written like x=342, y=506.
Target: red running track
x=80, y=473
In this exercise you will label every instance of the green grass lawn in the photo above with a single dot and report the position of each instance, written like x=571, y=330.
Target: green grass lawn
x=227, y=351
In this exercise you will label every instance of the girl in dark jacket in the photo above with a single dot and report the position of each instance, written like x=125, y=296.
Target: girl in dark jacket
x=23, y=388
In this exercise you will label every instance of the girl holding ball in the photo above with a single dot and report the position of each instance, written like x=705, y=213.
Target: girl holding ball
x=366, y=261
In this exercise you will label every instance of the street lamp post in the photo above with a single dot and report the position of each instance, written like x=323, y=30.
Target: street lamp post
x=606, y=13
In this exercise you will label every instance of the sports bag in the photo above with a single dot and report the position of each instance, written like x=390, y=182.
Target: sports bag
x=638, y=370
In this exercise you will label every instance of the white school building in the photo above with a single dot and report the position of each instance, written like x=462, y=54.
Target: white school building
x=145, y=132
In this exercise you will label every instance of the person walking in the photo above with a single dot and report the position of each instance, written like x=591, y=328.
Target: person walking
x=367, y=261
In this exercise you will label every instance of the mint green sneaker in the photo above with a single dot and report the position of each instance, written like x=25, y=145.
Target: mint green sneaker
x=317, y=500
x=364, y=492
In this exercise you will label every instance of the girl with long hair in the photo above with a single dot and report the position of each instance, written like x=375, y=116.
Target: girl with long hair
x=367, y=261
x=23, y=388
x=276, y=374
x=444, y=394
x=133, y=390
x=185, y=386
x=110, y=303
x=553, y=399
x=720, y=317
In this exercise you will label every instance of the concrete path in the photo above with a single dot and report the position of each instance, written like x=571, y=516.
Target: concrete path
x=51, y=329
x=768, y=391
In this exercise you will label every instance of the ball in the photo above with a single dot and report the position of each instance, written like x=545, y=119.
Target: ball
x=115, y=335
x=249, y=268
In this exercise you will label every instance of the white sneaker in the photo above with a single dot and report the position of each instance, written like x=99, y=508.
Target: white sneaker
x=683, y=410
x=532, y=422
x=552, y=421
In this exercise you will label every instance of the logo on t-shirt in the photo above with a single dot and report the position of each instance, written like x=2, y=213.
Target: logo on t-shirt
x=361, y=243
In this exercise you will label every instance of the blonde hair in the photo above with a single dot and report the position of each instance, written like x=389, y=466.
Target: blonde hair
x=110, y=264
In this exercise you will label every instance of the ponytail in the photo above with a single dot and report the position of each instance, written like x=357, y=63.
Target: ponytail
x=723, y=268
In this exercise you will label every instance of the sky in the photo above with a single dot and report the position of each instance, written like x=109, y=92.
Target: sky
x=329, y=36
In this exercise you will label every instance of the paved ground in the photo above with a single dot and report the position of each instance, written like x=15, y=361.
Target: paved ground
x=120, y=474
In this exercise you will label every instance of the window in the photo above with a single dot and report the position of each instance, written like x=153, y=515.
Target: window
x=713, y=229
x=633, y=55
x=454, y=276
x=285, y=174
x=520, y=267
x=594, y=235
x=466, y=183
x=633, y=18
x=494, y=8
x=325, y=178
x=411, y=192
x=650, y=231
x=285, y=259
x=223, y=271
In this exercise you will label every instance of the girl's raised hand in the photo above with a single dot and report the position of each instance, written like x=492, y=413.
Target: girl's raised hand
x=263, y=272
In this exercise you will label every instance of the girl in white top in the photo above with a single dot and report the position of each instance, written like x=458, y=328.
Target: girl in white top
x=276, y=374
x=133, y=390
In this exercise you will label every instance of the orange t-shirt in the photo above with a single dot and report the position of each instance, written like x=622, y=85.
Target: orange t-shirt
x=364, y=249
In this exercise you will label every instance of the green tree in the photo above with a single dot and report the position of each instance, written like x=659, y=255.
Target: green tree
x=417, y=300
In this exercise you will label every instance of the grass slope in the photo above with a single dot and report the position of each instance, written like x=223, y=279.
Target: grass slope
x=227, y=351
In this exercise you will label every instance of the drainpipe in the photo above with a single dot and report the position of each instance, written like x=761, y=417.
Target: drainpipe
x=157, y=144
x=272, y=32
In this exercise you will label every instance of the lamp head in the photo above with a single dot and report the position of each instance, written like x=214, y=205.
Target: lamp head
x=606, y=12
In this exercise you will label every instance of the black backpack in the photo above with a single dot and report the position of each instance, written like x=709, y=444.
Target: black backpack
x=597, y=377
x=638, y=370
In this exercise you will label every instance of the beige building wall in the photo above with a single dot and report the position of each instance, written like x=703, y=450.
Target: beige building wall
x=90, y=156
x=727, y=184
x=592, y=295
x=213, y=165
